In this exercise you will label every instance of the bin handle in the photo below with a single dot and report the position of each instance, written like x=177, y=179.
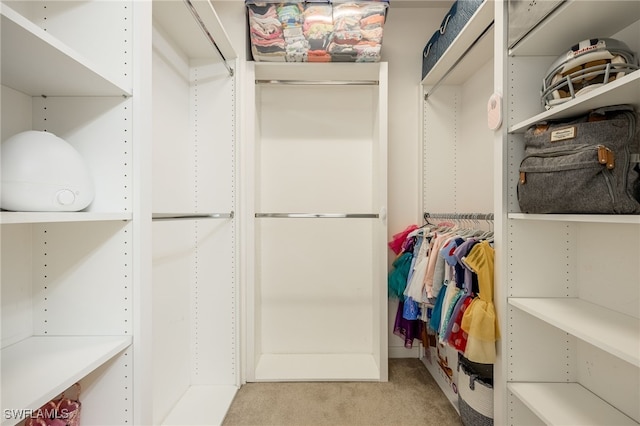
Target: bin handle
x=426, y=54
x=443, y=28
x=452, y=12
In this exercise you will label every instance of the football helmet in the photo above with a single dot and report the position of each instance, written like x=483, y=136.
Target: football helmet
x=586, y=66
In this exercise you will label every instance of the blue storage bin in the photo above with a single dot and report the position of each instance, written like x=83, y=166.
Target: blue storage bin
x=452, y=23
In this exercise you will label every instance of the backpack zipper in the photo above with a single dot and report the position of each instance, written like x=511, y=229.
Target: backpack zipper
x=606, y=157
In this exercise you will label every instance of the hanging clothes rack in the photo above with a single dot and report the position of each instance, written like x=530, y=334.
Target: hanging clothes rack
x=196, y=216
x=459, y=216
x=319, y=215
x=321, y=82
x=207, y=34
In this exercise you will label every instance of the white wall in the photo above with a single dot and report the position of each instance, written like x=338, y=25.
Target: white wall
x=406, y=32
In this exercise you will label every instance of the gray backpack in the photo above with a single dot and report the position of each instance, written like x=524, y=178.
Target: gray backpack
x=586, y=164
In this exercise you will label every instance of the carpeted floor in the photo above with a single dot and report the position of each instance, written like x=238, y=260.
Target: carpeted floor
x=410, y=397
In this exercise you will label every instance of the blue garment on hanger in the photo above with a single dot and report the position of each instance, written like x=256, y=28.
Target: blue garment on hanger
x=411, y=309
x=436, y=312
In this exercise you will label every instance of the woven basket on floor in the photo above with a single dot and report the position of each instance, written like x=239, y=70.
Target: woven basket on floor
x=475, y=399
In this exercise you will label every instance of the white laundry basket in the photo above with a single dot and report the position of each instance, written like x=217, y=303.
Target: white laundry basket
x=475, y=398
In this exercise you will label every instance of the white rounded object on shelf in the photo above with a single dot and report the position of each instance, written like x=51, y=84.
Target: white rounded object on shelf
x=42, y=172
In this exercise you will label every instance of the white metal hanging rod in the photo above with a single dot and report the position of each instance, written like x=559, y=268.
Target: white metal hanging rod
x=320, y=215
x=321, y=82
x=207, y=34
x=455, y=64
x=459, y=216
x=196, y=216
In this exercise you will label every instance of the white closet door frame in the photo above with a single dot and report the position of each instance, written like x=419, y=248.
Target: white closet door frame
x=249, y=158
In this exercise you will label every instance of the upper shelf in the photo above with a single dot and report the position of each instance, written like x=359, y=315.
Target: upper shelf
x=314, y=72
x=587, y=19
x=38, y=64
x=625, y=90
x=422, y=3
x=175, y=18
x=469, y=42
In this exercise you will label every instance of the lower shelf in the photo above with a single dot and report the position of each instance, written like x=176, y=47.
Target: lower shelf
x=567, y=404
x=37, y=369
x=202, y=405
x=608, y=330
x=314, y=367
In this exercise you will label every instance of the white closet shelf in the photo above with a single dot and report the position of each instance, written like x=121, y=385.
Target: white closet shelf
x=38, y=64
x=611, y=331
x=202, y=405
x=177, y=21
x=588, y=20
x=590, y=218
x=55, y=217
x=479, y=22
x=625, y=90
x=39, y=368
x=297, y=367
x=308, y=71
x=567, y=404
x=423, y=3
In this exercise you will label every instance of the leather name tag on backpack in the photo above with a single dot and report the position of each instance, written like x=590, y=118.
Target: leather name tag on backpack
x=563, y=134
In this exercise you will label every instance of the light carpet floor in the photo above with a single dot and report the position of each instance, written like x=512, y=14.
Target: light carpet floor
x=410, y=397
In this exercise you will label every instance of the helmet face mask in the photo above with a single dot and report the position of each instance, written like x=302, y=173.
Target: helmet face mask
x=588, y=65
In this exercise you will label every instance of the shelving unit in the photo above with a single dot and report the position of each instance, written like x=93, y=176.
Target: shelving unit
x=625, y=90
x=458, y=148
x=313, y=188
x=68, y=308
x=195, y=321
x=143, y=313
x=572, y=355
x=55, y=363
x=554, y=403
x=50, y=62
x=616, y=333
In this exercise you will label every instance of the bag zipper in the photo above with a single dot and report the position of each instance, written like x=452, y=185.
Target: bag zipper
x=606, y=157
x=626, y=164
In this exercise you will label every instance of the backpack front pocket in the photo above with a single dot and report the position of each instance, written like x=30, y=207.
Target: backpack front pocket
x=578, y=179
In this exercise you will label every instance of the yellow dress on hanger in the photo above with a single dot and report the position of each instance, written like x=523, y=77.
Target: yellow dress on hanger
x=479, y=320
